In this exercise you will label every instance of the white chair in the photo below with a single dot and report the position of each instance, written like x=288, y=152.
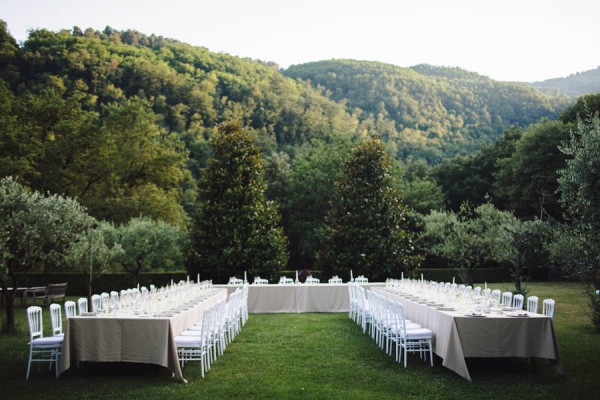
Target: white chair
x=56, y=319
x=260, y=281
x=517, y=301
x=532, y=304
x=70, y=309
x=286, y=281
x=196, y=347
x=235, y=281
x=335, y=280
x=417, y=340
x=361, y=279
x=310, y=279
x=96, y=303
x=82, y=304
x=548, y=308
x=507, y=299
x=496, y=294
x=41, y=349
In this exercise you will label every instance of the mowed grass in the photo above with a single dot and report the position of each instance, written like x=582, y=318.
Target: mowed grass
x=325, y=356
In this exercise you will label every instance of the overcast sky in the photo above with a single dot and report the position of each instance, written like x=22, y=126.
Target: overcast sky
x=508, y=40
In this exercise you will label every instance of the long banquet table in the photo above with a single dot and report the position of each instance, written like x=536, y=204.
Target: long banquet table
x=139, y=339
x=300, y=298
x=457, y=336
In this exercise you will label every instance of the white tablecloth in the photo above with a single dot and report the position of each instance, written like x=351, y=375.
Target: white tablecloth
x=323, y=297
x=457, y=336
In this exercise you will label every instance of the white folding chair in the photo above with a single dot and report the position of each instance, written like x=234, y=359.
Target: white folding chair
x=41, y=349
x=56, y=319
x=70, y=309
x=496, y=294
x=517, y=301
x=310, y=279
x=416, y=340
x=235, y=281
x=532, y=304
x=82, y=303
x=260, y=281
x=361, y=279
x=507, y=299
x=96, y=303
x=335, y=280
x=548, y=308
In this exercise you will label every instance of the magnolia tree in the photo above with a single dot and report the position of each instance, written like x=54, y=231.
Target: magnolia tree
x=235, y=228
x=366, y=229
x=34, y=229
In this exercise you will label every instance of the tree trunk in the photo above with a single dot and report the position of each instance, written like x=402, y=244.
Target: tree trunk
x=9, y=299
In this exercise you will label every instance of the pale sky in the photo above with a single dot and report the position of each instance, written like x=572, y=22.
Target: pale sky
x=508, y=40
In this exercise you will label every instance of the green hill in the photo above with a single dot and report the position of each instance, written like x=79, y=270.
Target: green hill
x=578, y=84
x=426, y=111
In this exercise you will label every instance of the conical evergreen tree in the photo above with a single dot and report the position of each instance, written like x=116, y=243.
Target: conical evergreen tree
x=235, y=229
x=366, y=229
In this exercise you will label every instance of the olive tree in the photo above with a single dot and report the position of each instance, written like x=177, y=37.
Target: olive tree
x=34, y=229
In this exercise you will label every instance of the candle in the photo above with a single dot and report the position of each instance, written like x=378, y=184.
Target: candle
x=421, y=278
x=351, y=277
x=245, y=277
x=188, y=279
x=453, y=280
x=297, y=276
x=138, y=287
x=198, y=279
x=402, y=275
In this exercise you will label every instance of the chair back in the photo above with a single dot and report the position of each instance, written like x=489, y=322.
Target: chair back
x=70, y=309
x=548, y=308
x=507, y=299
x=310, y=279
x=532, y=304
x=82, y=304
x=235, y=281
x=361, y=279
x=517, y=301
x=335, y=279
x=496, y=294
x=34, y=318
x=56, y=319
x=96, y=303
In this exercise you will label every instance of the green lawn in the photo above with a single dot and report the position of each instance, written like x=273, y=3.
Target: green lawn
x=325, y=356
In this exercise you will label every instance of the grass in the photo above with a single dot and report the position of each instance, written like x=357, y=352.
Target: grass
x=324, y=356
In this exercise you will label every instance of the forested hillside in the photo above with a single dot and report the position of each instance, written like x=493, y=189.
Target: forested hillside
x=578, y=84
x=425, y=111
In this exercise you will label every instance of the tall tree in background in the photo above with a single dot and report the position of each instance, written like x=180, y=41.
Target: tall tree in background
x=527, y=178
x=235, y=229
x=366, y=228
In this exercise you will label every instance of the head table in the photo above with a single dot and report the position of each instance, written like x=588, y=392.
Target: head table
x=457, y=336
x=139, y=338
x=299, y=298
